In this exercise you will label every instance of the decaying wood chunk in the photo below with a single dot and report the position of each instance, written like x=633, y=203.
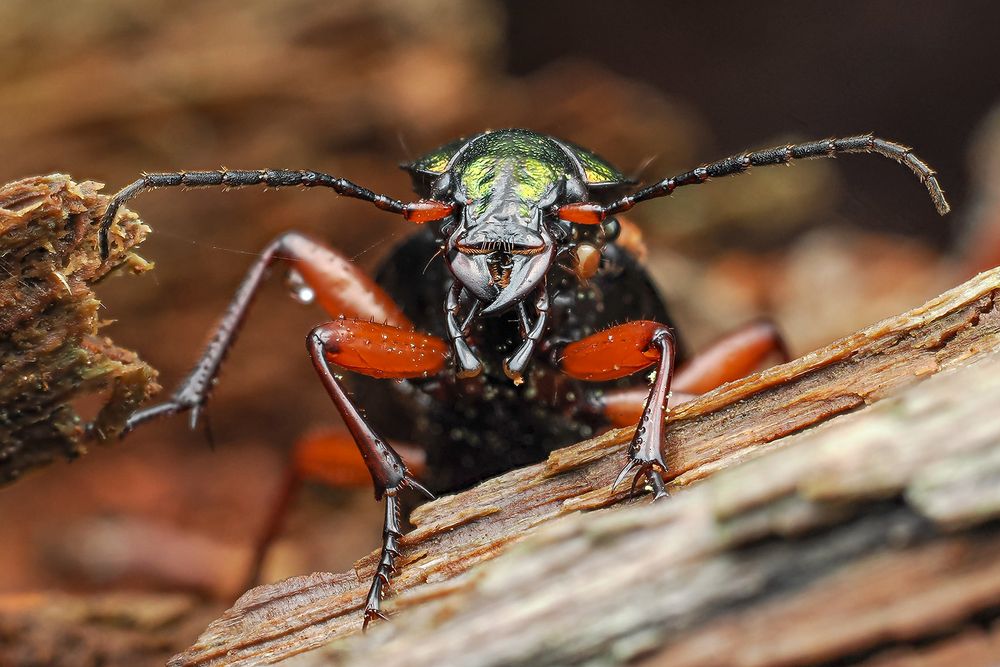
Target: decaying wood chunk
x=866, y=536
x=50, y=353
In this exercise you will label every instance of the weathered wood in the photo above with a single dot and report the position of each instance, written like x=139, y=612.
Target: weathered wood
x=50, y=353
x=609, y=586
x=842, y=547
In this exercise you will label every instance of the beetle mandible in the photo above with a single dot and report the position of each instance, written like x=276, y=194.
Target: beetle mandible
x=522, y=308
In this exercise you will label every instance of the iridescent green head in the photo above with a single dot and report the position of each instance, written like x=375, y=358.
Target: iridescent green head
x=507, y=186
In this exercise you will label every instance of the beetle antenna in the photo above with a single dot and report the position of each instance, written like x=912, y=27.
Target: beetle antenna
x=737, y=164
x=229, y=178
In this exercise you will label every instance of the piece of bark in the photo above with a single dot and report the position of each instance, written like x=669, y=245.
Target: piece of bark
x=855, y=544
x=50, y=353
x=609, y=586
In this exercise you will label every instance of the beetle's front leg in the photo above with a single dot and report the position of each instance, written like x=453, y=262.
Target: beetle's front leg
x=384, y=351
x=514, y=365
x=729, y=358
x=467, y=364
x=620, y=351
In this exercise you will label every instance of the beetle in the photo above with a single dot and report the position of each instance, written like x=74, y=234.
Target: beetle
x=527, y=336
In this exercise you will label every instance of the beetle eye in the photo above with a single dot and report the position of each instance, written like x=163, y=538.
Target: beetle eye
x=427, y=210
x=583, y=213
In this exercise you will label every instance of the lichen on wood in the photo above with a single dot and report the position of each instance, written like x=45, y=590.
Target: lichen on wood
x=50, y=352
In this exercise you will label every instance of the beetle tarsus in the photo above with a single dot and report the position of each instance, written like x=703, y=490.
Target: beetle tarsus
x=150, y=413
x=391, y=533
x=659, y=488
x=184, y=400
x=649, y=470
x=371, y=615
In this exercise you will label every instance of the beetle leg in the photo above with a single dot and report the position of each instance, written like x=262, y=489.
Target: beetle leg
x=514, y=365
x=341, y=288
x=376, y=350
x=731, y=357
x=623, y=407
x=468, y=364
x=618, y=352
x=391, y=532
x=328, y=457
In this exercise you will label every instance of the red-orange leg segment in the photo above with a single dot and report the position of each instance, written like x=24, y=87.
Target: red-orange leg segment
x=620, y=351
x=378, y=350
x=341, y=287
x=381, y=350
x=612, y=353
x=730, y=358
x=735, y=355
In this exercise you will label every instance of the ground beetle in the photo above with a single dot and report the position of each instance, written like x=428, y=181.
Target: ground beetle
x=539, y=308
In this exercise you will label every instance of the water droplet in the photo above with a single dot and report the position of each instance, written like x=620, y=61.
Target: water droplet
x=298, y=287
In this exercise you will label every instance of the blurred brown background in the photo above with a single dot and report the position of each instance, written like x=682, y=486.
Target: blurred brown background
x=108, y=88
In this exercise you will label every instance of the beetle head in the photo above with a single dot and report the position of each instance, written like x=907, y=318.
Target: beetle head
x=502, y=232
x=501, y=248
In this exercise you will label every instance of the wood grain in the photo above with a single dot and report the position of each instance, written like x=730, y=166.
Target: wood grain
x=850, y=479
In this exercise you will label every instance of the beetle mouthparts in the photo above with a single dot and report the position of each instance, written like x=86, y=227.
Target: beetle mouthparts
x=508, y=247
